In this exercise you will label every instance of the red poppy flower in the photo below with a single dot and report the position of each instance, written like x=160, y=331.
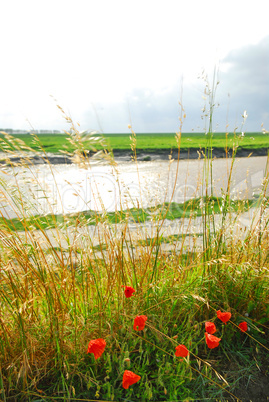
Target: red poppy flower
x=129, y=378
x=212, y=341
x=243, y=326
x=129, y=291
x=210, y=327
x=97, y=347
x=224, y=317
x=181, y=351
x=140, y=322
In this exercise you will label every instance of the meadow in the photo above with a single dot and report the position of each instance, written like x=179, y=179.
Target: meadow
x=127, y=320
x=144, y=141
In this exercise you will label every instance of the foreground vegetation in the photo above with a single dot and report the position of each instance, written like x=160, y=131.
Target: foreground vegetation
x=62, y=304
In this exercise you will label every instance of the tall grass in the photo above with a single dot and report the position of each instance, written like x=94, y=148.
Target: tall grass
x=64, y=286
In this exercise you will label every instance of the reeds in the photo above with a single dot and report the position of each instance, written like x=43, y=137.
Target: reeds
x=62, y=284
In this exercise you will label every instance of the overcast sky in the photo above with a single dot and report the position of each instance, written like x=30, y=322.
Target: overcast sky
x=112, y=63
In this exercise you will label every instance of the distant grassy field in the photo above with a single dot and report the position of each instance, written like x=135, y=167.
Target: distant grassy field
x=55, y=142
x=188, y=140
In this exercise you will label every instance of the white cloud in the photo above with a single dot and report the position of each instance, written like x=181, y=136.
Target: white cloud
x=89, y=51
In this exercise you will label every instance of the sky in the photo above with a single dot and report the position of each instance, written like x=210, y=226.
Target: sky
x=111, y=63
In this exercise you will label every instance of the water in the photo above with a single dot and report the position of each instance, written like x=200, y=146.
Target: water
x=59, y=189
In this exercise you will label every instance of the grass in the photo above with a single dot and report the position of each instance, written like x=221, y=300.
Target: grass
x=60, y=291
x=167, y=210
x=188, y=141
x=151, y=142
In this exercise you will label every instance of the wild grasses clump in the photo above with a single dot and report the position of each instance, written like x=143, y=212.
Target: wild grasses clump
x=112, y=315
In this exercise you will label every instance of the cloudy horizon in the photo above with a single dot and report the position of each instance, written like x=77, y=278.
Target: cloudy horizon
x=111, y=64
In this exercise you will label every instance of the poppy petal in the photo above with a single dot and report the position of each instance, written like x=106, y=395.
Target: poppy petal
x=97, y=347
x=212, y=341
x=210, y=327
x=129, y=378
x=128, y=291
x=243, y=326
x=140, y=322
x=224, y=316
x=181, y=351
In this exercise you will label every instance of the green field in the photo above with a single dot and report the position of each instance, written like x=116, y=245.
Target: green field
x=56, y=142
x=188, y=141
